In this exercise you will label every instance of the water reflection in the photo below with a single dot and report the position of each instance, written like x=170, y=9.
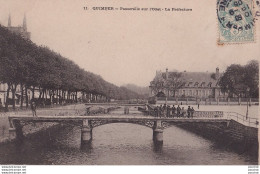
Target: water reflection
x=157, y=146
x=86, y=147
x=119, y=144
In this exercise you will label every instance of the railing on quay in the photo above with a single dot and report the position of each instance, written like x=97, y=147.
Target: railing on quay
x=248, y=121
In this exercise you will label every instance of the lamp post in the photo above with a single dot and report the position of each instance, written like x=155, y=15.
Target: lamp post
x=247, y=92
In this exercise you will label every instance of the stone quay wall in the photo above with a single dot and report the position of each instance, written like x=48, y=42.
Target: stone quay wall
x=231, y=135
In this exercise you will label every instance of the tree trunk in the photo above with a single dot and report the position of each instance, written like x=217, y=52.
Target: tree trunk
x=13, y=94
x=51, y=97
x=7, y=97
x=42, y=96
x=40, y=93
x=57, y=96
x=26, y=97
x=33, y=89
x=76, y=97
x=21, y=104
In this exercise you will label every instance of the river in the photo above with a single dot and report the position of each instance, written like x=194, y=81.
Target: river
x=119, y=144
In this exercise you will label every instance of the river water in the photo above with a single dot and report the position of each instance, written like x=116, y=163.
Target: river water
x=119, y=144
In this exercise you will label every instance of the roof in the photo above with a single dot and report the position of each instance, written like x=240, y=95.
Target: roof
x=198, y=79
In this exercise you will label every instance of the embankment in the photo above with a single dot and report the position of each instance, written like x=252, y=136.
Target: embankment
x=231, y=135
x=29, y=130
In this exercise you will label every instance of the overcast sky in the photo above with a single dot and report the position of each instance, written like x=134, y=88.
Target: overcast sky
x=128, y=47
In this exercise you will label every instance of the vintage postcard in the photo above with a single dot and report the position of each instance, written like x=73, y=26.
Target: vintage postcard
x=129, y=82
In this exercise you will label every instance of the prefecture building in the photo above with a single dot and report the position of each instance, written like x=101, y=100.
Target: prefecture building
x=195, y=85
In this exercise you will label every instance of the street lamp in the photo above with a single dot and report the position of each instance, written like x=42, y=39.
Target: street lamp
x=247, y=92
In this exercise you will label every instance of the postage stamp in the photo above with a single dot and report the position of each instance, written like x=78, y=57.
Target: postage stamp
x=236, y=22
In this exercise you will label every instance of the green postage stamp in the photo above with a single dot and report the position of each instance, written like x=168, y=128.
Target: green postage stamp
x=236, y=22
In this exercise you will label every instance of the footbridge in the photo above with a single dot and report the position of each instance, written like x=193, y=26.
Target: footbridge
x=87, y=123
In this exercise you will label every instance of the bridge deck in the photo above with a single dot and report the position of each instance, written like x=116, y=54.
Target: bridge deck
x=119, y=118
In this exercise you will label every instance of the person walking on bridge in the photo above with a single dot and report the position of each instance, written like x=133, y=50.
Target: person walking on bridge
x=168, y=111
x=178, y=111
x=173, y=111
x=160, y=111
x=183, y=112
x=164, y=110
x=156, y=111
x=192, y=111
x=189, y=111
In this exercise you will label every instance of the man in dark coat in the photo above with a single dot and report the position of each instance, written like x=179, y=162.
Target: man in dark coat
x=189, y=111
x=168, y=111
x=33, y=107
x=192, y=111
x=173, y=111
x=178, y=111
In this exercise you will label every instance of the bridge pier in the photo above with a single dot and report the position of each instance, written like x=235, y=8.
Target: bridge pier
x=158, y=132
x=15, y=130
x=12, y=133
x=86, y=132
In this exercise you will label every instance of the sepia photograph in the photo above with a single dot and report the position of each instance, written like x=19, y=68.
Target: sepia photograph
x=133, y=82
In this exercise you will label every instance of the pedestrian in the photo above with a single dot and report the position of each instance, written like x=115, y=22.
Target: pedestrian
x=164, y=110
x=155, y=111
x=178, y=111
x=33, y=107
x=189, y=111
x=198, y=106
x=192, y=111
x=161, y=111
x=183, y=112
x=168, y=111
x=173, y=111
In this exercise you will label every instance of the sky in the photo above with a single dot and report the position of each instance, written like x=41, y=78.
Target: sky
x=129, y=46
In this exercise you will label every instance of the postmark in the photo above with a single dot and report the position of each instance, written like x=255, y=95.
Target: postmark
x=236, y=22
x=257, y=13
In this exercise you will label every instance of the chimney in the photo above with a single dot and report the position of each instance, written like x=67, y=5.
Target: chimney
x=217, y=73
x=167, y=74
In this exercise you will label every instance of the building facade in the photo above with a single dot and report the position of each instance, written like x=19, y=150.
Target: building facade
x=199, y=85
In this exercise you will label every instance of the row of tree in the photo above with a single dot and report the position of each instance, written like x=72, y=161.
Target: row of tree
x=241, y=81
x=32, y=67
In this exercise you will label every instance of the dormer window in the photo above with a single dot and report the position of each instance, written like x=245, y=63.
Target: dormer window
x=196, y=84
x=202, y=84
x=210, y=84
